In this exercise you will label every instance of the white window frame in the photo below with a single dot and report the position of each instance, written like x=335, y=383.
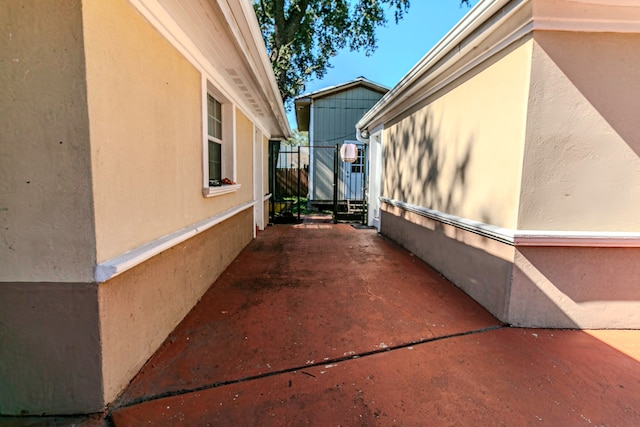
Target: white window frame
x=228, y=142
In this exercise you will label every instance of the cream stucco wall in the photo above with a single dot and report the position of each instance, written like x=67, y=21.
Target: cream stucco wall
x=461, y=153
x=145, y=110
x=244, y=157
x=101, y=152
x=46, y=216
x=582, y=156
x=478, y=265
x=139, y=308
x=584, y=287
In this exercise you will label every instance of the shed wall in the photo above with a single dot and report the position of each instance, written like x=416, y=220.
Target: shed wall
x=334, y=118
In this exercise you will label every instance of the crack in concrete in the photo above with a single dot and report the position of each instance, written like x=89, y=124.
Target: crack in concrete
x=146, y=399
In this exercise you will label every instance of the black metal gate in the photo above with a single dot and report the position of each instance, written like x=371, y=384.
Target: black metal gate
x=314, y=179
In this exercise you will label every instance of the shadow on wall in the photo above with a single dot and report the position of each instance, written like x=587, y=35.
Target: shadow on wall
x=426, y=171
x=576, y=287
x=606, y=74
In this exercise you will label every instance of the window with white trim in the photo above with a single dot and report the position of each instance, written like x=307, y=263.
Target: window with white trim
x=214, y=137
x=219, y=143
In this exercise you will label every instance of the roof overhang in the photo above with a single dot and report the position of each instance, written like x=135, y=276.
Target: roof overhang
x=303, y=113
x=243, y=23
x=302, y=103
x=516, y=19
x=222, y=39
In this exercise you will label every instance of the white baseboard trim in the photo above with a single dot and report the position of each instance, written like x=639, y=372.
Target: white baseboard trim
x=117, y=265
x=548, y=238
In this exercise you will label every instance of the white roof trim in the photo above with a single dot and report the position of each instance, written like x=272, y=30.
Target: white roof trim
x=342, y=86
x=251, y=48
x=454, y=44
x=469, y=23
x=255, y=51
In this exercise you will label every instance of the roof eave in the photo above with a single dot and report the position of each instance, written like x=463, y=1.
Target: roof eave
x=469, y=23
x=241, y=16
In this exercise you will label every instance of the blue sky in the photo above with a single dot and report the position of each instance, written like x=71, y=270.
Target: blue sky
x=400, y=46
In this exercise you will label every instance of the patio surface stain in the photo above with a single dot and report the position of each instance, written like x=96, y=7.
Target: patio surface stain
x=321, y=324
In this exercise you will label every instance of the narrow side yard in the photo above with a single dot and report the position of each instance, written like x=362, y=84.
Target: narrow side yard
x=324, y=324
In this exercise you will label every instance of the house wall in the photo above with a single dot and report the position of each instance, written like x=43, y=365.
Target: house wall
x=101, y=154
x=519, y=179
x=49, y=332
x=334, y=118
x=581, y=173
x=140, y=307
x=582, y=168
x=461, y=151
x=46, y=214
x=145, y=100
x=482, y=267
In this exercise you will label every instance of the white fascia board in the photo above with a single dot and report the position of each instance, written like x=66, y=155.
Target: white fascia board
x=115, y=266
x=243, y=23
x=160, y=19
x=522, y=238
x=478, y=16
x=586, y=25
x=360, y=81
x=451, y=41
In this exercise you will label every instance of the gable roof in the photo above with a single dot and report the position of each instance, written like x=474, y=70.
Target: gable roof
x=303, y=102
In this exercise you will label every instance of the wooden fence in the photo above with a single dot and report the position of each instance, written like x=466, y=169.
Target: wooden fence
x=287, y=182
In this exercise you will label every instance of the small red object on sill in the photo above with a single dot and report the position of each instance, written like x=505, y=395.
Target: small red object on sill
x=227, y=181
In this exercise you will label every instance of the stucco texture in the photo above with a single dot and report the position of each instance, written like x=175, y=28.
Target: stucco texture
x=589, y=288
x=461, y=152
x=480, y=266
x=46, y=216
x=145, y=109
x=49, y=349
x=582, y=165
x=139, y=308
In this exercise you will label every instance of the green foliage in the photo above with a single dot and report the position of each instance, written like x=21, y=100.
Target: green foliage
x=303, y=35
x=298, y=138
x=299, y=204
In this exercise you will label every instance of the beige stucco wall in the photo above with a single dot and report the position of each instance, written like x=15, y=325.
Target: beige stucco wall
x=265, y=166
x=50, y=356
x=139, y=308
x=461, y=153
x=46, y=217
x=563, y=287
x=244, y=156
x=480, y=266
x=145, y=111
x=582, y=157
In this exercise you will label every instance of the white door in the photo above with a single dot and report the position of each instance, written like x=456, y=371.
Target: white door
x=353, y=175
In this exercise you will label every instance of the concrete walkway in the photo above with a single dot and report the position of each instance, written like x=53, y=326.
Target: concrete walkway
x=329, y=325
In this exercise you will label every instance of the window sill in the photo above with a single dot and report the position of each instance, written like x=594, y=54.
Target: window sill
x=217, y=191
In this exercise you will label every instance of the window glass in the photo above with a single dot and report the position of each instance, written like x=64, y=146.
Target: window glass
x=215, y=163
x=214, y=117
x=214, y=130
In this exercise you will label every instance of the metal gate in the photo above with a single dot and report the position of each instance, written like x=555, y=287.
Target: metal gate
x=311, y=179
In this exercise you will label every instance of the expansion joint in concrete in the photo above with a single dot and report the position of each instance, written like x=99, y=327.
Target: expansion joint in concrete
x=301, y=369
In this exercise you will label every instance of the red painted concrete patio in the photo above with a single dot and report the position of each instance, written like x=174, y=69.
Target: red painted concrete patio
x=321, y=324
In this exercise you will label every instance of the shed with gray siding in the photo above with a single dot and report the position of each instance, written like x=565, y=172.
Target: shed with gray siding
x=330, y=115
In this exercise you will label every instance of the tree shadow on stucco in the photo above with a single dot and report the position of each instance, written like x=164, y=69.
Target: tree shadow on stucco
x=431, y=173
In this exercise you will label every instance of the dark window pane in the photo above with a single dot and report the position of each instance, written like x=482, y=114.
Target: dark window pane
x=215, y=162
